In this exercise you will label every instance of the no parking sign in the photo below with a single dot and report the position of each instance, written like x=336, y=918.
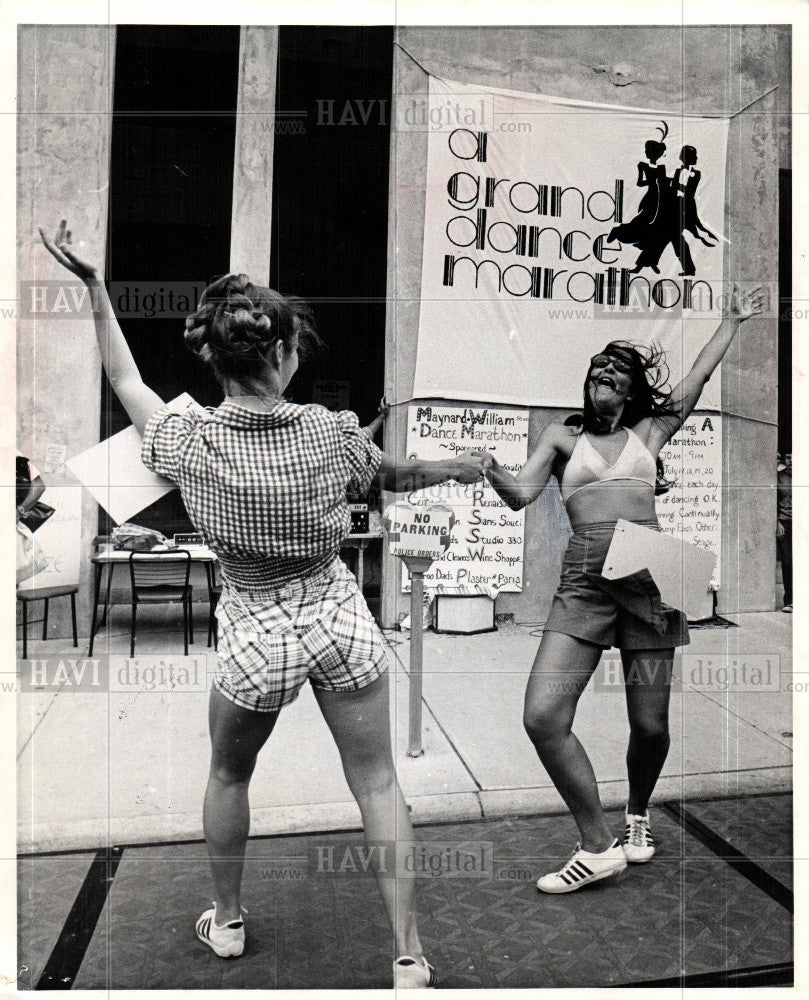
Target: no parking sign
x=419, y=532
x=417, y=535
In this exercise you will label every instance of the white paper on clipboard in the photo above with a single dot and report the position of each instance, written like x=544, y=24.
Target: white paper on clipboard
x=681, y=571
x=115, y=475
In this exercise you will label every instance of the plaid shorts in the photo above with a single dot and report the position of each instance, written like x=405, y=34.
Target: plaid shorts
x=318, y=627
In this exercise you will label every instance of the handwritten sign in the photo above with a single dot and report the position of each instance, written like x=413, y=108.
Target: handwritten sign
x=486, y=552
x=692, y=509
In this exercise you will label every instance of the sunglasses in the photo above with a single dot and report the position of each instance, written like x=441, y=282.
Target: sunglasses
x=618, y=363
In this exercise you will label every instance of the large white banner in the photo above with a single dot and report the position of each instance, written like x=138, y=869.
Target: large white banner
x=553, y=227
x=486, y=551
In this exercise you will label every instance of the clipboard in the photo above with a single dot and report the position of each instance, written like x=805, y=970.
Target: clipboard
x=681, y=571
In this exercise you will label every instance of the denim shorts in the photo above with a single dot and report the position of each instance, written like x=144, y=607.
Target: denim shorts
x=317, y=628
x=626, y=613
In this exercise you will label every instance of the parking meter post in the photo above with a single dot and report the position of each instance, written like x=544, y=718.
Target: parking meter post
x=418, y=535
x=417, y=568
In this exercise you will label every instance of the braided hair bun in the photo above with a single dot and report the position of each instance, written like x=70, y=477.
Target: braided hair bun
x=236, y=323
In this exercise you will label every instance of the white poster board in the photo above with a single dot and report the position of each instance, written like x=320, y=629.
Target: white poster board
x=692, y=509
x=486, y=552
x=680, y=570
x=538, y=211
x=115, y=475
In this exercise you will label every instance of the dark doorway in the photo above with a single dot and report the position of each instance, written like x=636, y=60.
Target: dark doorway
x=330, y=203
x=171, y=181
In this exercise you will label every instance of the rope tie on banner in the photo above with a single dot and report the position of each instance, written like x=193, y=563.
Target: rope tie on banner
x=755, y=101
x=412, y=58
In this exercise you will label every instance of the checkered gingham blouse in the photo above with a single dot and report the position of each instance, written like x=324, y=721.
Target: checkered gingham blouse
x=267, y=490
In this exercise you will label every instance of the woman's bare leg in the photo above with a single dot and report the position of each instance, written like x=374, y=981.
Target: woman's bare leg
x=360, y=724
x=561, y=670
x=647, y=675
x=237, y=735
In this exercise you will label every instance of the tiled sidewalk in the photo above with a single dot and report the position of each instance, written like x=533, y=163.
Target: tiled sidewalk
x=710, y=904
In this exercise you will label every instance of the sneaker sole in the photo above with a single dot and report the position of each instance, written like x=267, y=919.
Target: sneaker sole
x=228, y=951
x=585, y=881
x=639, y=861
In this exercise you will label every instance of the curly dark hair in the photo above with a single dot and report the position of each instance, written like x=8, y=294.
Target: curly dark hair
x=237, y=322
x=649, y=390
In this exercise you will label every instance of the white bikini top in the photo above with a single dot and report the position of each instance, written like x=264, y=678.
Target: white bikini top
x=586, y=466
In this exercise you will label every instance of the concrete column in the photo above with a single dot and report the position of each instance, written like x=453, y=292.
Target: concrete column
x=750, y=371
x=408, y=158
x=252, y=166
x=65, y=100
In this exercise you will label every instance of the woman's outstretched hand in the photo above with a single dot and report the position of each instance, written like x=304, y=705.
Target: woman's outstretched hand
x=746, y=305
x=379, y=419
x=60, y=247
x=472, y=465
x=486, y=458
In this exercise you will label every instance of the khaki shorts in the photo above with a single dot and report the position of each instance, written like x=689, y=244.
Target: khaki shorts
x=625, y=613
x=318, y=629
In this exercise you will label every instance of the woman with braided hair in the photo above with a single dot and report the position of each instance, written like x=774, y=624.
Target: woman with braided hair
x=265, y=480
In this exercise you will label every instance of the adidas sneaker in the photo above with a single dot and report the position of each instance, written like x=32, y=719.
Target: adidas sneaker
x=584, y=868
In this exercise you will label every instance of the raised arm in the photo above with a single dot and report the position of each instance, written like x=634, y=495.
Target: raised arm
x=520, y=490
x=139, y=401
x=417, y=474
x=371, y=429
x=685, y=395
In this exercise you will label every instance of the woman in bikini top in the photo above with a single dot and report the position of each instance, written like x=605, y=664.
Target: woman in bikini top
x=607, y=472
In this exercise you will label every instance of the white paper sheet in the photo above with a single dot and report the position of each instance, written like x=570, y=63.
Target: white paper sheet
x=115, y=475
x=681, y=571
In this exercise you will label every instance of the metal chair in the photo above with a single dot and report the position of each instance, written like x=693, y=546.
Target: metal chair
x=161, y=578
x=45, y=594
x=99, y=543
x=214, y=593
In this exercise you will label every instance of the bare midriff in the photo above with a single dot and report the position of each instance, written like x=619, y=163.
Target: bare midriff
x=613, y=500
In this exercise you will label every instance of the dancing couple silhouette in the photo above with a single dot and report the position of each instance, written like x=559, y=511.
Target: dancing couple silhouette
x=667, y=210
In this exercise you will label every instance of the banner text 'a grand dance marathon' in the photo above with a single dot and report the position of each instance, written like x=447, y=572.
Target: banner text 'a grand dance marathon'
x=542, y=243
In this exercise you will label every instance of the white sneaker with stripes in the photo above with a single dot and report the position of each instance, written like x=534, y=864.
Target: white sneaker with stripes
x=639, y=845
x=227, y=941
x=584, y=868
x=408, y=974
